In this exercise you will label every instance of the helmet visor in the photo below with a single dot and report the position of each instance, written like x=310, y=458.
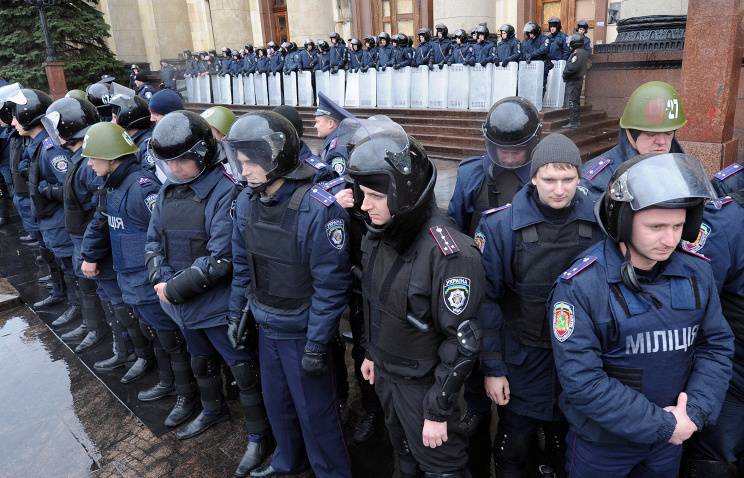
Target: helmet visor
x=13, y=94
x=510, y=156
x=117, y=89
x=249, y=152
x=185, y=167
x=661, y=179
x=50, y=122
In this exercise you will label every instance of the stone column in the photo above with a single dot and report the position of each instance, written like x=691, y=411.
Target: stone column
x=710, y=80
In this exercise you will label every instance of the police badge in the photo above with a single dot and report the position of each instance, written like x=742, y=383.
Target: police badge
x=456, y=293
x=564, y=320
x=699, y=241
x=339, y=166
x=59, y=163
x=150, y=201
x=335, y=230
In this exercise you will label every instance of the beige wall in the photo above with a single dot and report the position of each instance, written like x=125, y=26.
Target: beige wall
x=466, y=14
x=126, y=39
x=637, y=8
x=231, y=22
x=313, y=19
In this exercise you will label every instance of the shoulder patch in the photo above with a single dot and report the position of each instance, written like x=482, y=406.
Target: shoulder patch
x=694, y=253
x=726, y=172
x=48, y=143
x=315, y=163
x=699, y=241
x=444, y=240
x=59, y=163
x=564, y=320
x=480, y=240
x=456, y=294
x=578, y=267
x=336, y=232
x=332, y=183
x=598, y=167
x=322, y=196
x=488, y=212
x=229, y=176
x=150, y=201
x=727, y=200
x=583, y=190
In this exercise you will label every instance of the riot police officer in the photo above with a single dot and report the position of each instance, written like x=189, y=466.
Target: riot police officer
x=220, y=119
x=224, y=61
x=327, y=118
x=262, y=61
x=308, y=57
x=442, y=45
x=642, y=350
x=133, y=114
x=423, y=54
x=100, y=94
x=292, y=61
x=384, y=51
x=355, y=55
x=143, y=89
x=421, y=285
x=559, y=47
x=276, y=59
x=249, y=60
x=652, y=115
x=369, y=55
x=130, y=196
x=583, y=27
x=291, y=275
x=508, y=48
x=462, y=51
x=536, y=46
x=401, y=56
x=337, y=55
x=189, y=262
x=573, y=75
x=66, y=122
x=484, y=51
x=236, y=64
x=525, y=245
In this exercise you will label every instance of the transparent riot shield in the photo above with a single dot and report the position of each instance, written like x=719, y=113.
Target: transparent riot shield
x=290, y=89
x=352, y=89
x=227, y=89
x=438, y=87
x=249, y=89
x=458, y=87
x=216, y=88
x=555, y=91
x=322, y=78
x=481, y=78
x=420, y=87
x=368, y=88
x=305, y=88
x=275, y=89
x=504, y=81
x=385, y=88
x=262, y=92
x=337, y=87
x=205, y=89
x=402, y=90
x=191, y=90
x=237, y=90
x=531, y=82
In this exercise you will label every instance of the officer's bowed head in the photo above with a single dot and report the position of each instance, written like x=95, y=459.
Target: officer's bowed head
x=68, y=119
x=183, y=146
x=512, y=129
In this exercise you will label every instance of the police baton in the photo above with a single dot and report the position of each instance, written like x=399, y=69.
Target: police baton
x=246, y=321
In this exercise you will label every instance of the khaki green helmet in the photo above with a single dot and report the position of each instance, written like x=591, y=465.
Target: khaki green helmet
x=655, y=107
x=219, y=118
x=107, y=141
x=79, y=94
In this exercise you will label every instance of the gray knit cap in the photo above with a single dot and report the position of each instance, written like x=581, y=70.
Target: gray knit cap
x=554, y=148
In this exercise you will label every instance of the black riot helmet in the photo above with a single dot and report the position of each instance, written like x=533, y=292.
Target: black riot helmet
x=461, y=35
x=356, y=45
x=482, y=30
x=508, y=29
x=100, y=95
x=248, y=47
x=582, y=24
x=334, y=36
x=371, y=41
x=236, y=54
x=68, y=119
x=182, y=136
x=35, y=104
x=6, y=112
x=512, y=129
x=271, y=44
x=531, y=27
x=425, y=32
x=576, y=40
x=226, y=51
x=286, y=46
x=555, y=22
x=384, y=36
x=441, y=28
x=269, y=140
x=323, y=45
x=212, y=52
x=131, y=112
x=384, y=158
x=309, y=43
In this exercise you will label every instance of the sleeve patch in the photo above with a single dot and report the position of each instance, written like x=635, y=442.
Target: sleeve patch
x=336, y=232
x=444, y=239
x=728, y=171
x=456, y=294
x=322, y=196
x=699, y=242
x=315, y=163
x=596, y=168
x=332, y=183
x=59, y=163
x=333, y=144
x=338, y=164
x=150, y=201
x=578, y=267
x=564, y=320
x=480, y=240
x=488, y=212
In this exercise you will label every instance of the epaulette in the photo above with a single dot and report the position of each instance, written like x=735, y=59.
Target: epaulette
x=444, y=239
x=48, y=143
x=600, y=166
x=144, y=181
x=229, y=176
x=488, y=212
x=727, y=200
x=322, y=196
x=315, y=163
x=728, y=171
x=332, y=183
x=333, y=144
x=578, y=267
x=694, y=253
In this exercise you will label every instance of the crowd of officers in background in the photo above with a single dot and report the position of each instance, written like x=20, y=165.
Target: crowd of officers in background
x=254, y=248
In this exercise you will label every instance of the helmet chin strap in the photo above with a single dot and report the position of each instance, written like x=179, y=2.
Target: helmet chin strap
x=627, y=272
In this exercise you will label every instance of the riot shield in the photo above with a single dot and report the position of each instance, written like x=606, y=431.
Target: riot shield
x=556, y=88
x=337, y=86
x=305, y=88
x=322, y=78
x=458, y=87
x=249, y=89
x=290, y=89
x=385, y=88
x=275, y=89
x=205, y=89
x=237, y=90
x=402, y=90
x=438, y=87
x=504, y=81
x=216, y=88
x=481, y=78
x=226, y=89
x=530, y=84
x=420, y=87
x=368, y=88
x=262, y=93
x=192, y=90
x=352, y=89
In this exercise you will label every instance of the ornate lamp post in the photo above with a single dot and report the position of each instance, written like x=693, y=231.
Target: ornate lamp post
x=54, y=69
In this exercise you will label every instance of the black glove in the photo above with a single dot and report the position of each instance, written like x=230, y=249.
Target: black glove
x=449, y=63
x=325, y=69
x=484, y=63
x=334, y=70
x=431, y=66
x=314, y=363
x=441, y=65
x=471, y=63
x=396, y=67
x=364, y=69
x=528, y=58
x=504, y=64
x=233, y=323
x=383, y=67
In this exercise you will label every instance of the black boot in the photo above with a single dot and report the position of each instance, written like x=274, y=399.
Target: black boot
x=49, y=301
x=120, y=346
x=366, y=427
x=73, y=303
x=164, y=388
x=206, y=371
x=76, y=335
x=256, y=423
x=142, y=346
x=93, y=315
x=188, y=399
x=265, y=471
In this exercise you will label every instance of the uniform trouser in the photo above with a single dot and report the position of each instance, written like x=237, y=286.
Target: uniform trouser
x=588, y=460
x=338, y=349
x=515, y=438
x=28, y=220
x=370, y=402
x=402, y=401
x=68, y=273
x=55, y=271
x=573, y=97
x=302, y=411
x=6, y=189
x=477, y=402
x=204, y=346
